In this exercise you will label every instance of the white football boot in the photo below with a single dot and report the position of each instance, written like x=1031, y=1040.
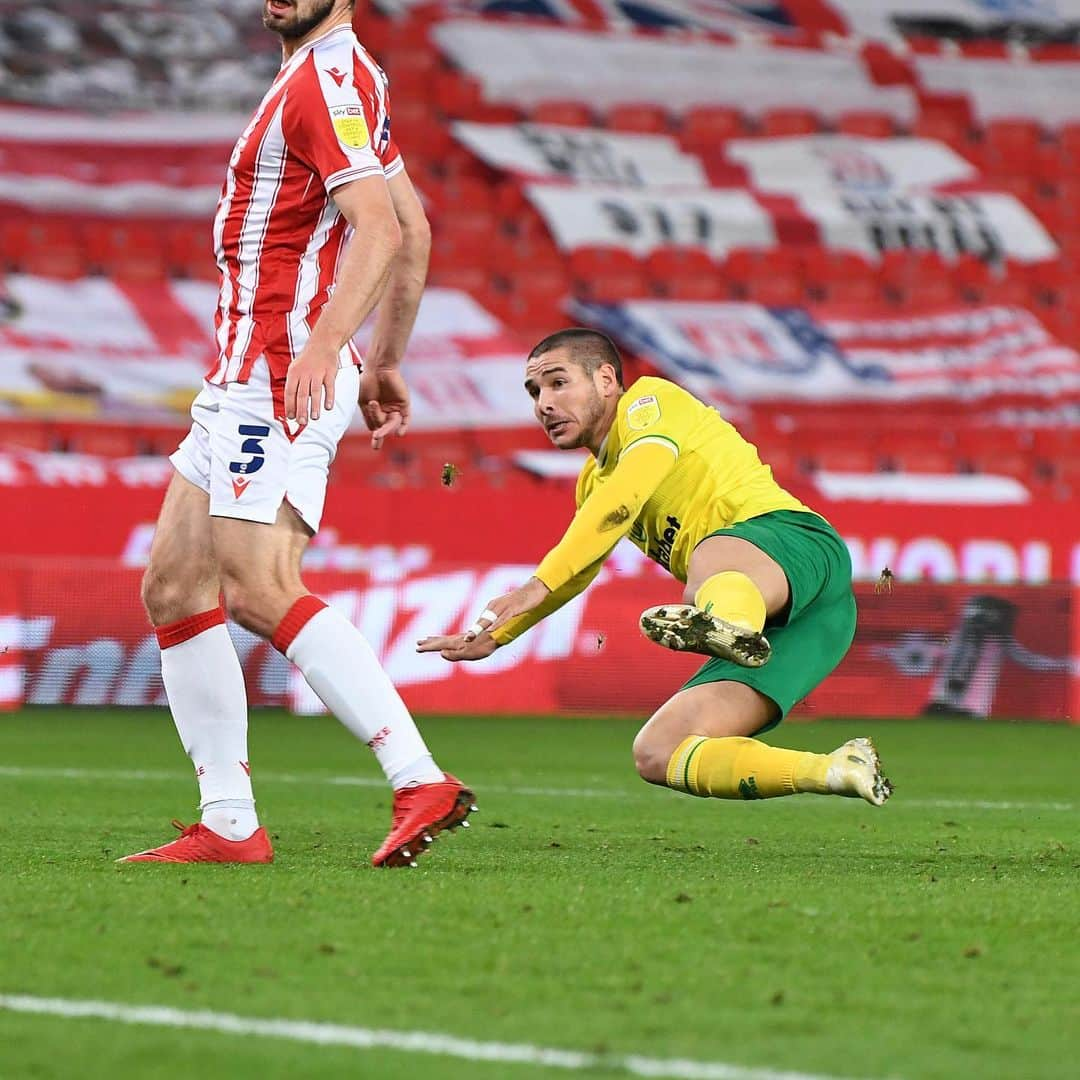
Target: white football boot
x=855, y=771
x=686, y=628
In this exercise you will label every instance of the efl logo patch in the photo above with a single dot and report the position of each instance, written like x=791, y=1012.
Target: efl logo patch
x=643, y=412
x=350, y=125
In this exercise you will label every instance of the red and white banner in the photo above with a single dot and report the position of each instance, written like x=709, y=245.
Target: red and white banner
x=70, y=636
x=718, y=16
x=582, y=155
x=858, y=194
x=960, y=19
x=166, y=164
x=122, y=351
x=523, y=68
x=871, y=195
x=1047, y=92
x=825, y=354
x=642, y=220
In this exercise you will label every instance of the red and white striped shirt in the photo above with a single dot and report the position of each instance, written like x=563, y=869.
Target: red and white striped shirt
x=278, y=234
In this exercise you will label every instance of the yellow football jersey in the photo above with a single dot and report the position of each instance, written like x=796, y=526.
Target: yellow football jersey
x=717, y=481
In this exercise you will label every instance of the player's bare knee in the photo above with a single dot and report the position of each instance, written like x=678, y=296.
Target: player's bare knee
x=163, y=597
x=650, y=758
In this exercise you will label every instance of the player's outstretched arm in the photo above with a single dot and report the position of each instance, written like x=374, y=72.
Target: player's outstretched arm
x=384, y=398
x=605, y=517
x=473, y=645
x=362, y=275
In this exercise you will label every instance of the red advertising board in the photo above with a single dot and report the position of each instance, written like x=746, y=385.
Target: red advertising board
x=77, y=508
x=74, y=633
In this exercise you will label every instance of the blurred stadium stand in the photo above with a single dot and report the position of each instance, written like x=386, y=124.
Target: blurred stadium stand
x=492, y=241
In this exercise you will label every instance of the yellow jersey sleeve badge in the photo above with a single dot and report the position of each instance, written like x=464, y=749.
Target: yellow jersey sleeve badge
x=350, y=125
x=642, y=413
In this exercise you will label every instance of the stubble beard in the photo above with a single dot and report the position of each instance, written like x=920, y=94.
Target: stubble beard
x=302, y=26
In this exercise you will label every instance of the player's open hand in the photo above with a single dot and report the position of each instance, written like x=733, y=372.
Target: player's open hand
x=456, y=647
x=309, y=385
x=504, y=608
x=384, y=403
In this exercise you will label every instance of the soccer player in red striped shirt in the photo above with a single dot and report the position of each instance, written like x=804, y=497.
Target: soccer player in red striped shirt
x=318, y=223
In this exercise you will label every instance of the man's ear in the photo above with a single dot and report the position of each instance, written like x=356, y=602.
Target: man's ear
x=609, y=380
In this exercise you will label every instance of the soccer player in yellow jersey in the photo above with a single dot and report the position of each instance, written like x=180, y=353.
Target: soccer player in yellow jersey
x=690, y=492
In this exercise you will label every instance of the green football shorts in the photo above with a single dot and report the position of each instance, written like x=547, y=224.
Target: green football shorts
x=817, y=631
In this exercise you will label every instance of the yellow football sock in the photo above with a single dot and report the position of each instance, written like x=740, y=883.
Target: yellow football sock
x=738, y=768
x=732, y=596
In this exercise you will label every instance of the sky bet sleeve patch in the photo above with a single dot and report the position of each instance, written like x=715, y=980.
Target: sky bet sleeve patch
x=642, y=413
x=350, y=125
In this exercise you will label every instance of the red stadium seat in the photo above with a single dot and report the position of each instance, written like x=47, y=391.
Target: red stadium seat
x=775, y=289
x=47, y=248
x=642, y=118
x=922, y=459
x=971, y=277
x=901, y=271
x=130, y=250
x=692, y=287
x=944, y=126
x=566, y=113
x=189, y=251
x=455, y=94
x=1068, y=138
x=780, y=122
x=1010, y=288
x=591, y=261
x=537, y=294
x=671, y=261
x=857, y=456
x=707, y=127
x=1014, y=141
x=873, y=124
x=685, y=274
x=614, y=286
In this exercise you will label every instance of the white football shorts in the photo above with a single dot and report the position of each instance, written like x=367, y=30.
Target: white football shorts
x=240, y=455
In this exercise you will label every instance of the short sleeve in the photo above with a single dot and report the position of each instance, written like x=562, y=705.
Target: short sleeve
x=331, y=125
x=652, y=416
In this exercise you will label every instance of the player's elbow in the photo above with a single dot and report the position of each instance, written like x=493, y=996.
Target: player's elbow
x=416, y=234
x=388, y=236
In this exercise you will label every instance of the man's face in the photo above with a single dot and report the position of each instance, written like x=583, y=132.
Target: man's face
x=295, y=18
x=566, y=399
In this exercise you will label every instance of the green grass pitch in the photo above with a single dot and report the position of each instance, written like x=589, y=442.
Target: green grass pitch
x=934, y=938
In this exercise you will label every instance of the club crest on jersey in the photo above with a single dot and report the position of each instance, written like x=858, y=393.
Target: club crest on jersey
x=642, y=413
x=350, y=125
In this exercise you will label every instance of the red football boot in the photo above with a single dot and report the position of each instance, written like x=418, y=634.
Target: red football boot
x=197, y=843
x=420, y=814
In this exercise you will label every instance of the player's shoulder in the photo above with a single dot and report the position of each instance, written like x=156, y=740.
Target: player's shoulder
x=339, y=65
x=649, y=399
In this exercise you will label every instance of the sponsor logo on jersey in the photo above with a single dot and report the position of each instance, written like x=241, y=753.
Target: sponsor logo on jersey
x=661, y=551
x=642, y=413
x=252, y=445
x=350, y=125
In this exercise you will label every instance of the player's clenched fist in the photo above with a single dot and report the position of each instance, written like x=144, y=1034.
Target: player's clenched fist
x=309, y=384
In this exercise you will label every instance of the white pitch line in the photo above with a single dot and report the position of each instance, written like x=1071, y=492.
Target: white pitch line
x=415, y=1042
x=161, y=776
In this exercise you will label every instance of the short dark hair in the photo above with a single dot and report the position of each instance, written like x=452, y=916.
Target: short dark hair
x=588, y=349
